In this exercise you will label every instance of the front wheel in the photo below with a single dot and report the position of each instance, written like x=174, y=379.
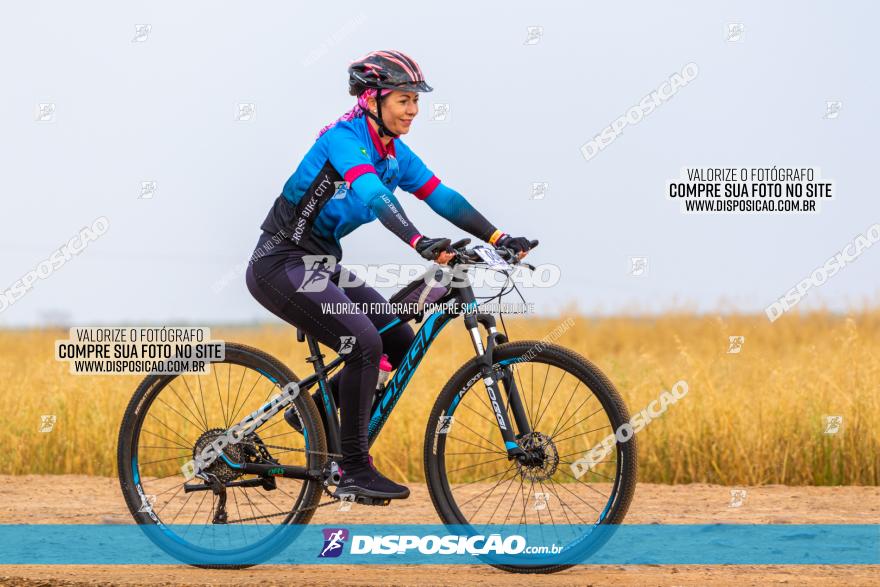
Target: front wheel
x=570, y=407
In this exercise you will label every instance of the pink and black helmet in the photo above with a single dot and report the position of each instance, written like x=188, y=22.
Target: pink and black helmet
x=390, y=69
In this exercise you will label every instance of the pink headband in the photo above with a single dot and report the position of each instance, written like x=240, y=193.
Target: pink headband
x=358, y=109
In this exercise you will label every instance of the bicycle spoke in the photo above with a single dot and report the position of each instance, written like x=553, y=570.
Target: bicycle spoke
x=202, y=395
x=464, y=405
x=552, y=395
x=537, y=409
x=204, y=415
x=244, y=401
x=509, y=485
x=582, y=433
x=169, y=428
x=199, y=426
x=584, y=483
x=483, y=479
x=479, y=495
x=220, y=397
x=237, y=392
x=488, y=494
x=179, y=414
x=476, y=445
x=568, y=403
x=476, y=465
x=160, y=461
x=179, y=487
x=476, y=433
x=186, y=448
x=561, y=501
x=579, y=421
x=593, y=472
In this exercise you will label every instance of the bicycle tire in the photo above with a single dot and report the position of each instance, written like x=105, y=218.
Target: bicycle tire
x=310, y=495
x=596, y=381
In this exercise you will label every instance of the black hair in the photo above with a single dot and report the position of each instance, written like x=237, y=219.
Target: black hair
x=356, y=88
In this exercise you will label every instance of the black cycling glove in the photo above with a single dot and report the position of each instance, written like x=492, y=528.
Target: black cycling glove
x=520, y=244
x=430, y=248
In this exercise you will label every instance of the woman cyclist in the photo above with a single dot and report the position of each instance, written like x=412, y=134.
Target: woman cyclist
x=347, y=179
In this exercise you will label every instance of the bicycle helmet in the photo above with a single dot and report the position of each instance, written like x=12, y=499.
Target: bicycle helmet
x=385, y=70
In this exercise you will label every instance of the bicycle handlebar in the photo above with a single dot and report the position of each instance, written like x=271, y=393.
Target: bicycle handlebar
x=464, y=255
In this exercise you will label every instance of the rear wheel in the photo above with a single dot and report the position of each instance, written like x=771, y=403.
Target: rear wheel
x=171, y=418
x=571, y=406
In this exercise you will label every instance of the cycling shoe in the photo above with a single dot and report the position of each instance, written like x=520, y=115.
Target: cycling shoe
x=368, y=482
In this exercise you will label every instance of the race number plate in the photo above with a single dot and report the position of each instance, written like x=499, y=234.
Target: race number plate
x=491, y=257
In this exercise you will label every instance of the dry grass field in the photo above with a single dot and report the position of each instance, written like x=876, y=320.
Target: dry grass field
x=750, y=418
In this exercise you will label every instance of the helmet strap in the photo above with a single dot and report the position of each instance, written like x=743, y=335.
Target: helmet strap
x=383, y=130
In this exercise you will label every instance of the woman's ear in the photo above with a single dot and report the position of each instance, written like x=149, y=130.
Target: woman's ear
x=371, y=105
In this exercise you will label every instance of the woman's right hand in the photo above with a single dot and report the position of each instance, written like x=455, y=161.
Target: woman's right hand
x=435, y=249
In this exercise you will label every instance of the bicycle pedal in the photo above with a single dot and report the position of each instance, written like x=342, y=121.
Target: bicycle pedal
x=380, y=501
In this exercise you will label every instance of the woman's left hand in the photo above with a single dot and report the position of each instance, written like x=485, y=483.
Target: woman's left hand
x=520, y=244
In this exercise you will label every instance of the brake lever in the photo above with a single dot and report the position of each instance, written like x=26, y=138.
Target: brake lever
x=514, y=256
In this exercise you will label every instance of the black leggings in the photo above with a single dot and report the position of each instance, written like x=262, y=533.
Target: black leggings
x=274, y=278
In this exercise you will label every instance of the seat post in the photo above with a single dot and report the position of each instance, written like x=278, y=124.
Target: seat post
x=316, y=357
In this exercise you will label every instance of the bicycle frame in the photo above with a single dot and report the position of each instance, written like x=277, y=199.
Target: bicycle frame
x=464, y=298
x=463, y=302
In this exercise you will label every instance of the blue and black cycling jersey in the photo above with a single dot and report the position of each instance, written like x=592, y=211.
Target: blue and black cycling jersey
x=348, y=178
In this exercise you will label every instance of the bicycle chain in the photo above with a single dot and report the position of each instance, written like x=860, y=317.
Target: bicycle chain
x=293, y=512
x=317, y=452
x=314, y=452
x=296, y=511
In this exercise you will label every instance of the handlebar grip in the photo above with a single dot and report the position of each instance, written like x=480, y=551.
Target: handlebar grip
x=431, y=253
x=461, y=243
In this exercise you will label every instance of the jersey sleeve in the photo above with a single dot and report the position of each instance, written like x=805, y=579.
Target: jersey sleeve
x=415, y=176
x=347, y=154
x=452, y=206
x=370, y=190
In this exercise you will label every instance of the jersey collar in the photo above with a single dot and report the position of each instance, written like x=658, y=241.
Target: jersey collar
x=377, y=142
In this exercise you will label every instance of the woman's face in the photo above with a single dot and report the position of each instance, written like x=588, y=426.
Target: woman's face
x=398, y=110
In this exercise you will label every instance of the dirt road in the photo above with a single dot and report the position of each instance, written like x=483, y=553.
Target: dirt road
x=78, y=499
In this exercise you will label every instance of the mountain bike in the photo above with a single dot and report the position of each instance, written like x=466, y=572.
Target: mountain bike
x=499, y=443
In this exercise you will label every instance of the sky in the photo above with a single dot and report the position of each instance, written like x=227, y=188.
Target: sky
x=151, y=91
